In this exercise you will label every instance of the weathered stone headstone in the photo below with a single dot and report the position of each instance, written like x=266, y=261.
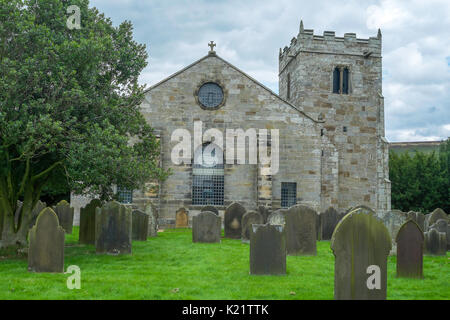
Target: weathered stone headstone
x=361, y=245
x=152, y=212
x=277, y=217
x=113, y=229
x=249, y=218
x=35, y=212
x=393, y=220
x=210, y=209
x=46, y=244
x=65, y=215
x=233, y=220
x=206, y=227
x=140, y=225
x=440, y=225
x=435, y=216
x=181, y=218
x=329, y=220
x=267, y=249
x=87, y=222
x=300, y=229
x=410, y=250
x=435, y=243
x=264, y=212
x=318, y=227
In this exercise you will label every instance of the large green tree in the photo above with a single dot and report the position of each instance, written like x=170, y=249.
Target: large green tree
x=69, y=105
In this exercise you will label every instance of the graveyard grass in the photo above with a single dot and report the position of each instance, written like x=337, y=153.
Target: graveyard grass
x=172, y=267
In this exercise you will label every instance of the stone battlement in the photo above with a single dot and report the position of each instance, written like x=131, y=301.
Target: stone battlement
x=328, y=43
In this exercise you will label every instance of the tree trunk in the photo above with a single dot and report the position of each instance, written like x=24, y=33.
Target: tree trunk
x=13, y=237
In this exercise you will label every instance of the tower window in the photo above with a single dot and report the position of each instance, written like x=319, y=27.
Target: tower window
x=288, y=194
x=288, y=94
x=345, y=129
x=124, y=195
x=341, y=76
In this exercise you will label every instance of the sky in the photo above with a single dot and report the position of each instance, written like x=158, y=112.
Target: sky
x=249, y=34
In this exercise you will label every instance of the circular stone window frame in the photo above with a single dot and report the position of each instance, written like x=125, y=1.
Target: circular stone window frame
x=216, y=82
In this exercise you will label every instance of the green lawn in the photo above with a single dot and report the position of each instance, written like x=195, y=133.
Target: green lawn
x=200, y=271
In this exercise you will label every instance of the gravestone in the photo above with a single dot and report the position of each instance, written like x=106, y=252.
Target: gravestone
x=46, y=244
x=448, y=237
x=113, y=229
x=65, y=215
x=329, y=220
x=181, y=218
x=87, y=222
x=435, y=243
x=206, y=227
x=267, y=249
x=318, y=227
x=233, y=220
x=440, y=225
x=360, y=242
x=140, y=225
x=152, y=213
x=277, y=217
x=409, y=241
x=300, y=229
x=210, y=209
x=35, y=212
x=249, y=218
x=264, y=212
x=435, y=216
x=393, y=220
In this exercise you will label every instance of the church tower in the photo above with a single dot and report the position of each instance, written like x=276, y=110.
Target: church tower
x=339, y=80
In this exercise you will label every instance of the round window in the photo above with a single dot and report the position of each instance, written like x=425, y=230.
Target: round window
x=210, y=95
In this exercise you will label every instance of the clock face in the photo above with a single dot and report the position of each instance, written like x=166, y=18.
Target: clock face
x=210, y=95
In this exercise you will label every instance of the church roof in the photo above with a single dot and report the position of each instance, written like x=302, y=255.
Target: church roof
x=214, y=55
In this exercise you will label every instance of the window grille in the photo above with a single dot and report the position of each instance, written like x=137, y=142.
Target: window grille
x=124, y=195
x=288, y=194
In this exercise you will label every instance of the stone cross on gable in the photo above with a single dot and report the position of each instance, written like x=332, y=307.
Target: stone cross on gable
x=212, y=45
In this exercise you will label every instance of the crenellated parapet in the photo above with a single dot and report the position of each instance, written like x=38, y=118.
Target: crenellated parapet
x=329, y=43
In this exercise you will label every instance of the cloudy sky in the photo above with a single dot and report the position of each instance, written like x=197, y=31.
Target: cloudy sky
x=416, y=45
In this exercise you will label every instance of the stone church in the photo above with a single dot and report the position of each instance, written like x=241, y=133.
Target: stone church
x=329, y=114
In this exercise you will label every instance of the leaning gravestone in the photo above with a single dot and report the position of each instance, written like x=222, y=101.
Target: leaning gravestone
x=435, y=243
x=264, y=212
x=277, y=217
x=87, y=222
x=233, y=220
x=251, y=217
x=140, y=225
x=206, y=227
x=65, y=215
x=329, y=220
x=434, y=217
x=410, y=250
x=152, y=212
x=300, y=229
x=46, y=244
x=267, y=249
x=210, y=209
x=393, y=220
x=181, y=218
x=361, y=245
x=113, y=229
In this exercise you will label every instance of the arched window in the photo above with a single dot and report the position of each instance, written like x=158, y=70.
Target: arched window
x=345, y=81
x=336, y=80
x=341, y=79
x=208, y=175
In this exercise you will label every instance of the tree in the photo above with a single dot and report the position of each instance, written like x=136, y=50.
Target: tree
x=69, y=105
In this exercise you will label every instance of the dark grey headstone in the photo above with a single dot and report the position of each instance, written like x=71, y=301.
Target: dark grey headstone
x=249, y=218
x=140, y=225
x=65, y=215
x=87, y=222
x=300, y=229
x=267, y=250
x=359, y=242
x=152, y=212
x=206, y=227
x=35, y=212
x=329, y=220
x=264, y=212
x=210, y=209
x=277, y=217
x=435, y=243
x=233, y=220
x=46, y=244
x=410, y=250
x=113, y=229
